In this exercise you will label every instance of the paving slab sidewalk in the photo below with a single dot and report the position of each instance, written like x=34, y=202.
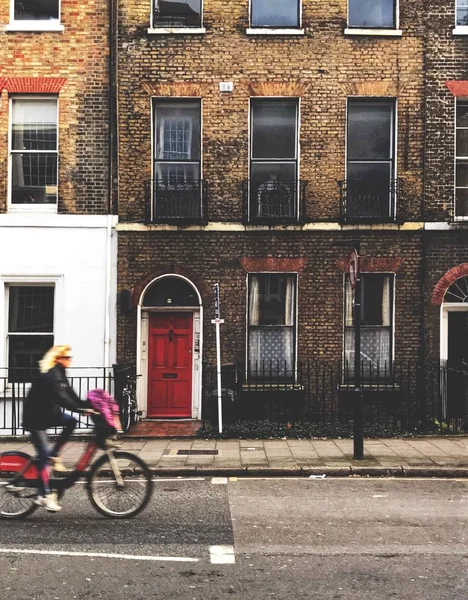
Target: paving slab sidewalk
x=406, y=457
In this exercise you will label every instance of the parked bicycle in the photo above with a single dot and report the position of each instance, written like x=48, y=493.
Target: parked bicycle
x=129, y=412
x=118, y=483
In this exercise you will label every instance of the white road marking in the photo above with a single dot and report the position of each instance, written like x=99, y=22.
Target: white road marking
x=98, y=555
x=222, y=555
x=219, y=480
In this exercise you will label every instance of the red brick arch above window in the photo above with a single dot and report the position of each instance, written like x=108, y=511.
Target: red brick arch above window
x=446, y=281
x=273, y=265
x=458, y=88
x=373, y=265
x=33, y=85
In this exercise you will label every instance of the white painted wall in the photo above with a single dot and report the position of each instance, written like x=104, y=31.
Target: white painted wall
x=71, y=251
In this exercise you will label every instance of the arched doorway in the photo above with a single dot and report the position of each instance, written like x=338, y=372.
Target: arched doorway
x=170, y=327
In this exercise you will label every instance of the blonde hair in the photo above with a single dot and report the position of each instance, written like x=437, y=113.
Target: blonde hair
x=49, y=360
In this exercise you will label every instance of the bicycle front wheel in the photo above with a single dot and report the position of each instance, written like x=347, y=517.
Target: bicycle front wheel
x=17, y=485
x=120, y=499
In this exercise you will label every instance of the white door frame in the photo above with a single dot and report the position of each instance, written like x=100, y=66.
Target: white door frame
x=143, y=314
x=445, y=309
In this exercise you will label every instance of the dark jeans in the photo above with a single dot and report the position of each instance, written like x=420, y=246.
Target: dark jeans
x=40, y=442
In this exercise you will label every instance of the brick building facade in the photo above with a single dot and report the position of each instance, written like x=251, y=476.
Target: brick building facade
x=253, y=141
x=57, y=231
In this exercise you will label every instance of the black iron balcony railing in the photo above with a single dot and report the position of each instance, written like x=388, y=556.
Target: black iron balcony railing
x=274, y=201
x=176, y=14
x=369, y=200
x=172, y=202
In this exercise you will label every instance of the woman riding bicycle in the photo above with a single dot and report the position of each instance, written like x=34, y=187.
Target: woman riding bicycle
x=48, y=395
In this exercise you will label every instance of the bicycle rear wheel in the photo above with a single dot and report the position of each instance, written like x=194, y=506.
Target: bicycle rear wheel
x=126, y=413
x=125, y=500
x=17, y=485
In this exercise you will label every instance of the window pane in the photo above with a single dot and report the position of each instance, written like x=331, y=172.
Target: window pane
x=462, y=113
x=376, y=172
x=168, y=174
x=178, y=13
x=372, y=303
x=375, y=351
x=462, y=173
x=274, y=129
x=462, y=16
x=178, y=131
x=31, y=309
x=34, y=178
x=369, y=130
x=275, y=13
x=284, y=172
x=461, y=204
x=271, y=299
x=271, y=352
x=24, y=353
x=34, y=124
x=371, y=13
x=36, y=10
x=462, y=142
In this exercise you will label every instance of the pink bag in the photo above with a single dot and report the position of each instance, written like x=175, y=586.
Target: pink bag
x=105, y=404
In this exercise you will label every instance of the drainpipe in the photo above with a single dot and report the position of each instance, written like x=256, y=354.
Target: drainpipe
x=112, y=151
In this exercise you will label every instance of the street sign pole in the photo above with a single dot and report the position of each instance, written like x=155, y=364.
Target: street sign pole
x=358, y=417
x=217, y=321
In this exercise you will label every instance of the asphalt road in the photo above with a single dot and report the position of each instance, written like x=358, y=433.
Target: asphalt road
x=250, y=539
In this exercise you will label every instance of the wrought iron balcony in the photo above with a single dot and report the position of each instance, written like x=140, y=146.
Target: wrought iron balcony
x=274, y=201
x=369, y=200
x=176, y=202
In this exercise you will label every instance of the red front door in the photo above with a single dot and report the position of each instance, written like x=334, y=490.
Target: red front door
x=170, y=365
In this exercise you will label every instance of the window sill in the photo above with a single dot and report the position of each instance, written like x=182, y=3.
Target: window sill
x=34, y=26
x=32, y=208
x=274, y=31
x=460, y=30
x=176, y=30
x=374, y=32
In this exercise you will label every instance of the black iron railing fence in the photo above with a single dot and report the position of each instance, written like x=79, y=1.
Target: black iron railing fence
x=404, y=397
x=369, y=200
x=169, y=201
x=14, y=387
x=274, y=201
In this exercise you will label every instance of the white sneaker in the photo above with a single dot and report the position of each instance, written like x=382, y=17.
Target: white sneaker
x=58, y=466
x=49, y=502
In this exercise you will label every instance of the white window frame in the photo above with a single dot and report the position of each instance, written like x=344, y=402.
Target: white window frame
x=455, y=162
x=394, y=31
x=43, y=208
x=34, y=25
x=392, y=298
x=295, y=324
x=297, y=144
x=254, y=30
x=57, y=281
x=393, y=134
x=156, y=29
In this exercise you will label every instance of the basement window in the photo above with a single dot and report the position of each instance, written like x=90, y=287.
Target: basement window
x=35, y=15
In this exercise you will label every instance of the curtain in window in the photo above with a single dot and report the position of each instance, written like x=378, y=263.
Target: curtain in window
x=271, y=347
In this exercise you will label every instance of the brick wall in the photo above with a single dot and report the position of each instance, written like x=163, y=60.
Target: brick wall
x=207, y=259
x=445, y=61
x=323, y=67
x=79, y=55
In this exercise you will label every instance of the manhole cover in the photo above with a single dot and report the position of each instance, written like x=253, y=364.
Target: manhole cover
x=197, y=452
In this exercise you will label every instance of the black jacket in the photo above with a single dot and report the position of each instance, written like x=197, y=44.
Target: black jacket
x=50, y=392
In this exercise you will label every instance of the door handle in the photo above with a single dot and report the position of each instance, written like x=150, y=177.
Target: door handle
x=170, y=335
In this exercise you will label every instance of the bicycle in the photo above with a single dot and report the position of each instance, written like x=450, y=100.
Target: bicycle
x=118, y=483
x=128, y=405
